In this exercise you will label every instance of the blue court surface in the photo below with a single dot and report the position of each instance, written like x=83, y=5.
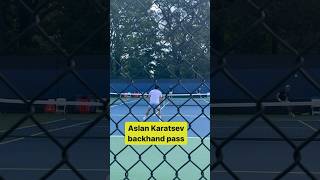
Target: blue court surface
x=199, y=122
x=124, y=159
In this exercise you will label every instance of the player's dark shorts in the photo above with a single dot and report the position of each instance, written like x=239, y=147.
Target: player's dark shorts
x=154, y=106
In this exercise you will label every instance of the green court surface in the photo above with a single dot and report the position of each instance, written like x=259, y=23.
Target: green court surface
x=126, y=158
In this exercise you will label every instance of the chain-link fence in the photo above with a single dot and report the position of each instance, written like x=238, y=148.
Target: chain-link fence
x=62, y=31
x=164, y=43
x=155, y=40
x=285, y=34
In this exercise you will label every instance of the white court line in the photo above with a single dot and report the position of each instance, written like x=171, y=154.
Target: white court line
x=267, y=172
x=122, y=103
x=308, y=125
x=40, y=133
x=62, y=128
x=30, y=126
x=52, y=130
x=12, y=140
x=164, y=105
x=45, y=169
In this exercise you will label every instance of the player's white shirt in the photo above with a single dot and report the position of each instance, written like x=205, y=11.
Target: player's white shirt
x=155, y=95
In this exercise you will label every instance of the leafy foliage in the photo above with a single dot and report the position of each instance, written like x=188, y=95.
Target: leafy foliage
x=160, y=39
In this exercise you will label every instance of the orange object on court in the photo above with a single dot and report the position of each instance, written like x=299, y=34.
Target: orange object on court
x=84, y=108
x=50, y=108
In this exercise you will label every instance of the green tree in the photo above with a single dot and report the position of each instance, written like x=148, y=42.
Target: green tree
x=160, y=39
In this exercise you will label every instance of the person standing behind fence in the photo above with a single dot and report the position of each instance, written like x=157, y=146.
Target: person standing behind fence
x=154, y=99
x=170, y=95
x=283, y=96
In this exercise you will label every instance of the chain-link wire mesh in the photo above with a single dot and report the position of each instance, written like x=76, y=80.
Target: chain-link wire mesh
x=177, y=25
x=164, y=43
x=59, y=30
x=265, y=28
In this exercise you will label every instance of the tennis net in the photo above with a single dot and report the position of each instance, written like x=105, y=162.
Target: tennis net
x=67, y=119
x=141, y=99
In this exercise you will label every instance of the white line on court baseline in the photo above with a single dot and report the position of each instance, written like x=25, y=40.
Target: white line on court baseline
x=47, y=169
x=268, y=172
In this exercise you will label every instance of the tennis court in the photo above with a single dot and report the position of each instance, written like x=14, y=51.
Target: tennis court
x=259, y=150
x=31, y=144
x=28, y=153
x=162, y=162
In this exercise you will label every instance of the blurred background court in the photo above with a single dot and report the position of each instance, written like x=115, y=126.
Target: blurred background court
x=263, y=50
x=37, y=139
x=48, y=62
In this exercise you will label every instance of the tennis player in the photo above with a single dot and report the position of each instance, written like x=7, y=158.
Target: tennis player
x=170, y=92
x=154, y=98
x=283, y=96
